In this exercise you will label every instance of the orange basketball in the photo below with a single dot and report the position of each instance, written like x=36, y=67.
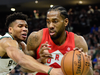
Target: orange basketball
x=75, y=63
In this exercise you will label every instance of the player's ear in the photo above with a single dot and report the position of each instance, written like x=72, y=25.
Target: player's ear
x=10, y=29
x=66, y=21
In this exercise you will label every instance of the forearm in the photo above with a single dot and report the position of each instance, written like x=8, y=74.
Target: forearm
x=33, y=65
x=26, y=70
x=26, y=61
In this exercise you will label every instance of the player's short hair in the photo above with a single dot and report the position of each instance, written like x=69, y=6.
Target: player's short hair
x=62, y=10
x=16, y=15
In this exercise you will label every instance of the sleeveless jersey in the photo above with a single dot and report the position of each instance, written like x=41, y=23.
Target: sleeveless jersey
x=56, y=51
x=6, y=64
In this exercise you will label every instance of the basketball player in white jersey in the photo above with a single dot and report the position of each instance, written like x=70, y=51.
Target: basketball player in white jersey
x=12, y=44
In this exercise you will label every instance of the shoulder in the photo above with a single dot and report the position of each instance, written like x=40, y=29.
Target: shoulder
x=0, y=36
x=78, y=38
x=36, y=34
x=80, y=42
x=7, y=42
x=34, y=39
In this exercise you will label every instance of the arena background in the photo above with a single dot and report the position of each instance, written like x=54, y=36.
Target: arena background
x=84, y=16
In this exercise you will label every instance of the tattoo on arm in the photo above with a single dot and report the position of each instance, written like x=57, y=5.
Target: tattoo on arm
x=32, y=41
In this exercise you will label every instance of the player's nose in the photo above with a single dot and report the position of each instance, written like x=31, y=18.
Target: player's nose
x=25, y=29
x=51, y=26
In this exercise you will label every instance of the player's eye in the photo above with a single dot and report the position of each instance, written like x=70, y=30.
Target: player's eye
x=26, y=26
x=48, y=22
x=55, y=21
x=20, y=26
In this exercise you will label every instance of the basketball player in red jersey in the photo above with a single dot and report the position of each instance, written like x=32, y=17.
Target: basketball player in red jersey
x=55, y=40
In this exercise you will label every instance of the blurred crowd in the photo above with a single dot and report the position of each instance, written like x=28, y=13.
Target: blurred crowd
x=82, y=21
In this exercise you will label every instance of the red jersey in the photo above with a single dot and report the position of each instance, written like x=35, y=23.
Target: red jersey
x=56, y=51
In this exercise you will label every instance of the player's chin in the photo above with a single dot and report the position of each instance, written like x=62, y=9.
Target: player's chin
x=23, y=39
x=53, y=37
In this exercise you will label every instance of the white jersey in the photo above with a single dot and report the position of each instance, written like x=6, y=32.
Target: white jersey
x=6, y=64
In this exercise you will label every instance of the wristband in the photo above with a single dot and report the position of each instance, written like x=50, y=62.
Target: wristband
x=49, y=70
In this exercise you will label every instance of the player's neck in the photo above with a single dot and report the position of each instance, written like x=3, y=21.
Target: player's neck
x=16, y=39
x=61, y=40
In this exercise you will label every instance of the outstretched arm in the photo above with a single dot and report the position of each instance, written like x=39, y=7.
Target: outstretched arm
x=11, y=47
x=30, y=63
x=26, y=61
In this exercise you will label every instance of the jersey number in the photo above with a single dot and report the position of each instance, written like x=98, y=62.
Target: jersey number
x=11, y=62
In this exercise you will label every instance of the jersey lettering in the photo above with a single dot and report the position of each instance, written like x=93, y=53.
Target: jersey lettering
x=57, y=57
x=49, y=60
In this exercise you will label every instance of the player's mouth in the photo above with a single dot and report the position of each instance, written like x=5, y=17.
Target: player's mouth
x=24, y=35
x=52, y=33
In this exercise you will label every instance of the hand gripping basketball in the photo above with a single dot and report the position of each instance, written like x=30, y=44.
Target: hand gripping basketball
x=75, y=62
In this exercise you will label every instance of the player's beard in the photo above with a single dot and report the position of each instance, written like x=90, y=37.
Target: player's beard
x=57, y=36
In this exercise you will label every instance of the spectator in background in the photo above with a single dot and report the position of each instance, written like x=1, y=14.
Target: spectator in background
x=97, y=51
x=96, y=72
x=36, y=14
x=98, y=35
x=96, y=9
x=91, y=51
x=70, y=27
x=13, y=72
x=21, y=73
x=88, y=20
x=90, y=41
x=95, y=60
x=43, y=16
x=76, y=21
x=70, y=12
x=94, y=29
x=95, y=41
x=97, y=65
x=83, y=21
x=91, y=10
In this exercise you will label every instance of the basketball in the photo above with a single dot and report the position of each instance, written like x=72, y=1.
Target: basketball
x=75, y=63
